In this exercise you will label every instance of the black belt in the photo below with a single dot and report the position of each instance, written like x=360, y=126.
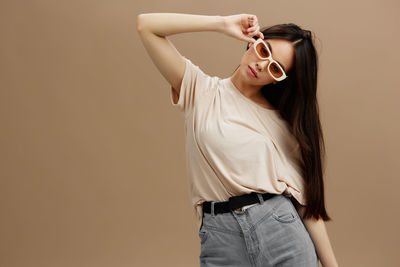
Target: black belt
x=235, y=202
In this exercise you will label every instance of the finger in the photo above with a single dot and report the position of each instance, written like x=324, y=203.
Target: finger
x=251, y=29
x=249, y=39
x=257, y=34
x=252, y=17
x=257, y=28
x=252, y=20
x=254, y=29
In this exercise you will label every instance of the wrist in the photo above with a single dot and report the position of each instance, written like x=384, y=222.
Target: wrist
x=220, y=23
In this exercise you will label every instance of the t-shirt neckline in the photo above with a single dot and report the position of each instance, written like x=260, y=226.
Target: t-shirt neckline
x=248, y=99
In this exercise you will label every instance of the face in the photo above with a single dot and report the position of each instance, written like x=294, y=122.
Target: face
x=282, y=52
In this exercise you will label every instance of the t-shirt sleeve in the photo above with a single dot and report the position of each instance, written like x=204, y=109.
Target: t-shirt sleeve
x=196, y=86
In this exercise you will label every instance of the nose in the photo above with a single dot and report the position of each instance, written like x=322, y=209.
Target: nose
x=262, y=65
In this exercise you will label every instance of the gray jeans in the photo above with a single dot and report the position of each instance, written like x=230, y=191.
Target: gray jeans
x=270, y=233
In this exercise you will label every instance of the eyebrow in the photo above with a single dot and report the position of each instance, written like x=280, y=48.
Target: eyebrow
x=270, y=48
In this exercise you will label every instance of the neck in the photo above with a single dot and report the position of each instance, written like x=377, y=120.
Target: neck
x=248, y=90
x=252, y=92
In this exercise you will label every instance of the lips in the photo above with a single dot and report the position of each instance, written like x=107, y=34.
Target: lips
x=253, y=71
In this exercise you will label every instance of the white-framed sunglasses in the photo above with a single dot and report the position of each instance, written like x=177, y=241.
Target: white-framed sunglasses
x=274, y=68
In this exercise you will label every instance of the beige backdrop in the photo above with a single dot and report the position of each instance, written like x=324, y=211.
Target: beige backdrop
x=92, y=160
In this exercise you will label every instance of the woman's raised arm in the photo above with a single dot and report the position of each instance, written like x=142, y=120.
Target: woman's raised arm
x=153, y=29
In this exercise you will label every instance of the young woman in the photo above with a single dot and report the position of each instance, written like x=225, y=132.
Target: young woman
x=253, y=141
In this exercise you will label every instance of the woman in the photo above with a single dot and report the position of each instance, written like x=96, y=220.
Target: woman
x=253, y=141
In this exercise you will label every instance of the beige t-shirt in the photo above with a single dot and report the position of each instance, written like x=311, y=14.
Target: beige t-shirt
x=233, y=145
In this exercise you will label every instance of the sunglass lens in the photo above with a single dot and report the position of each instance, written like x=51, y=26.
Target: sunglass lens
x=262, y=50
x=275, y=70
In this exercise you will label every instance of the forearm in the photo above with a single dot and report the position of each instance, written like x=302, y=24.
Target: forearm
x=319, y=235
x=164, y=24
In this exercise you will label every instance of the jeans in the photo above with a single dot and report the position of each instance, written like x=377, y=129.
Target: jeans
x=269, y=233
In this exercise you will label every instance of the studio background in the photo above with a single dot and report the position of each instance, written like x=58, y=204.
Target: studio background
x=92, y=163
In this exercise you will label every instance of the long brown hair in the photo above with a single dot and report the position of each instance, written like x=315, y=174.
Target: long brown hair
x=296, y=99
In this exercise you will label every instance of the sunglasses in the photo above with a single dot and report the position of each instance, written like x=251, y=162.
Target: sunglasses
x=263, y=52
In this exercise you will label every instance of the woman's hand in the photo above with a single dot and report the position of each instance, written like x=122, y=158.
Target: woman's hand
x=242, y=27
